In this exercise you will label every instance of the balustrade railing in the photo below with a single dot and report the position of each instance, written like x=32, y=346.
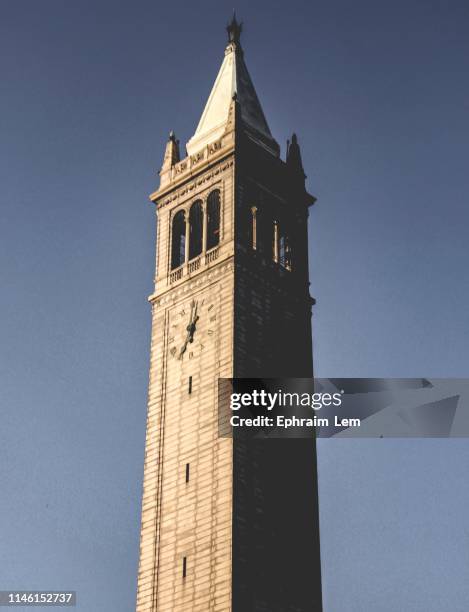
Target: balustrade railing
x=176, y=275
x=211, y=255
x=194, y=265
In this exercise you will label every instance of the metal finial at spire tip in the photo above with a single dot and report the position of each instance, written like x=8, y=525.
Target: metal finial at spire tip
x=234, y=29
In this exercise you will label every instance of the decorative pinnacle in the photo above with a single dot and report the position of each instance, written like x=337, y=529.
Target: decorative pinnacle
x=234, y=30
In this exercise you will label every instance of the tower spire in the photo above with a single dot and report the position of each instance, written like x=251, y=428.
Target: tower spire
x=233, y=80
x=234, y=30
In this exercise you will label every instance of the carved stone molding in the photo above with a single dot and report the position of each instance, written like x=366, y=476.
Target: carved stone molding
x=172, y=295
x=195, y=184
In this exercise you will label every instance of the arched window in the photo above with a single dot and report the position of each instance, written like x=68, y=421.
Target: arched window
x=265, y=236
x=178, y=240
x=213, y=219
x=195, y=229
x=284, y=250
x=281, y=250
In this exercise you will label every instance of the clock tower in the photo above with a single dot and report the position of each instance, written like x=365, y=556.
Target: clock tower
x=228, y=525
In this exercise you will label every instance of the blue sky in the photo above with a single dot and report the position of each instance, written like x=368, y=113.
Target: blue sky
x=378, y=94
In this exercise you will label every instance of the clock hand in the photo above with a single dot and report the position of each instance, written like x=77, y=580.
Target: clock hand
x=190, y=328
x=187, y=340
x=192, y=310
x=193, y=321
x=183, y=348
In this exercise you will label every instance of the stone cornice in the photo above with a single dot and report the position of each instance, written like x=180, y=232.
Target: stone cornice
x=190, y=168
x=190, y=183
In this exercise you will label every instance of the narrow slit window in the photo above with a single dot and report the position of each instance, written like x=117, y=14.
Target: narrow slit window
x=275, y=242
x=189, y=389
x=284, y=251
x=184, y=567
x=187, y=471
x=288, y=254
x=254, y=228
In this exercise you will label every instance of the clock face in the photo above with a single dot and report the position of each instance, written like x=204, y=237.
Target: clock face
x=192, y=327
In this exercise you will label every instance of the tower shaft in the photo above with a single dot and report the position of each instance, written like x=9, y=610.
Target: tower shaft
x=227, y=524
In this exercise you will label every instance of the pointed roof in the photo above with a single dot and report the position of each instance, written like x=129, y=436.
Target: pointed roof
x=233, y=81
